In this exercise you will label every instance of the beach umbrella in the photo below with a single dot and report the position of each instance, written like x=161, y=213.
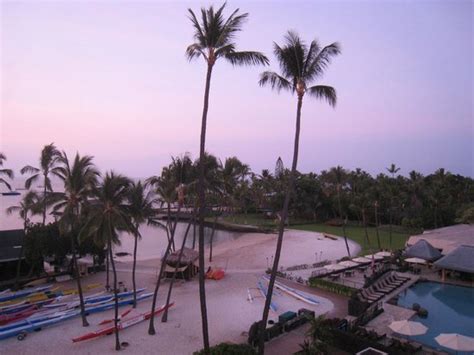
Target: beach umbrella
x=361, y=260
x=407, y=327
x=456, y=342
x=383, y=254
x=373, y=256
x=348, y=263
x=415, y=261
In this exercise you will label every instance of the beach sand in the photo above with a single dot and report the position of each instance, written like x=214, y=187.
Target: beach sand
x=230, y=314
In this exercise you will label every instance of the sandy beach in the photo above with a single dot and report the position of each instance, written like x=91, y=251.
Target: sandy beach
x=230, y=314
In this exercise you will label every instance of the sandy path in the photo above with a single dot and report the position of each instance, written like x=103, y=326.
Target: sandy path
x=230, y=314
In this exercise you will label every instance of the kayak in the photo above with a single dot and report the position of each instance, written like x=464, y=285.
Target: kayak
x=23, y=293
x=122, y=324
x=12, y=317
x=295, y=293
x=37, y=322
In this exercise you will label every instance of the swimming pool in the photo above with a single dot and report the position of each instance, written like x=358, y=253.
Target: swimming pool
x=450, y=310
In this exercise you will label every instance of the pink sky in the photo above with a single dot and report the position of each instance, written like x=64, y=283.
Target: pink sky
x=110, y=79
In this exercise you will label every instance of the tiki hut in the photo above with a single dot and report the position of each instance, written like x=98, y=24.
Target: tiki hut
x=187, y=268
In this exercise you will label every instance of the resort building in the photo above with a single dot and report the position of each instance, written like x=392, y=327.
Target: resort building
x=446, y=239
x=460, y=260
x=10, y=245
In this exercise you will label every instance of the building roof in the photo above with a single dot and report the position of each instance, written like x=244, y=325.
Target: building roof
x=446, y=239
x=188, y=257
x=10, y=244
x=423, y=250
x=460, y=259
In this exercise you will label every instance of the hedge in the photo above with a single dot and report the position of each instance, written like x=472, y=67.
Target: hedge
x=331, y=286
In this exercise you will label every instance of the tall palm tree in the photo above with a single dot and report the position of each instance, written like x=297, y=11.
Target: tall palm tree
x=79, y=180
x=300, y=66
x=28, y=204
x=48, y=159
x=214, y=37
x=6, y=172
x=108, y=215
x=140, y=209
x=393, y=169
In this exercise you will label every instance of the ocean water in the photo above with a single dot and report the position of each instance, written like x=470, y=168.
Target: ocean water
x=450, y=310
x=152, y=244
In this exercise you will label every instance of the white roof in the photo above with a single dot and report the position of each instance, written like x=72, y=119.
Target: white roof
x=415, y=261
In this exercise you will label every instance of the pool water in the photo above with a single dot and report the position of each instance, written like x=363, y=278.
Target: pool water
x=450, y=310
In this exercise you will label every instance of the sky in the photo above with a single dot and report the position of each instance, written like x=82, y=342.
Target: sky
x=110, y=79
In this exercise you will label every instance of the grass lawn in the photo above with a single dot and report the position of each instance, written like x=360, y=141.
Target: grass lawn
x=355, y=233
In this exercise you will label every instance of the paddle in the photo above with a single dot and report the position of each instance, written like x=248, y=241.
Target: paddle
x=120, y=317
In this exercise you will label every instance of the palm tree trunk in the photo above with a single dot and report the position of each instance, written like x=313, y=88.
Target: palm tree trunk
x=151, y=327
x=377, y=228
x=44, y=200
x=390, y=228
x=365, y=228
x=343, y=222
x=266, y=309
x=78, y=280
x=164, y=318
x=134, y=268
x=107, y=282
x=212, y=237
x=117, y=340
x=202, y=151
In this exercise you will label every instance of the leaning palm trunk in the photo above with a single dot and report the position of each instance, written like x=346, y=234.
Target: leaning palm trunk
x=137, y=234
x=281, y=228
x=202, y=206
x=107, y=281
x=164, y=318
x=117, y=340
x=364, y=221
x=45, y=205
x=343, y=222
x=79, y=286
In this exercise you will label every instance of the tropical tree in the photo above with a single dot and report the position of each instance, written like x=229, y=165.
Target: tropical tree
x=214, y=40
x=140, y=209
x=29, y=204
x=79, y=178
x=300, y=65
x=48, y=159
x=108, y=215
x=7, y=172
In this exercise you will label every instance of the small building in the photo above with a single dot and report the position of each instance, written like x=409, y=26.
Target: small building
x=460, y=260
x=187, y=266
x=10, y=248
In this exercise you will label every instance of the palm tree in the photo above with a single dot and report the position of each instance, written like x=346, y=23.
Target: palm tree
x=48, y=159
x=107, y=215
x=140, y=209
x=392, y=170
x=29, y=204
x=300, y=65
x=7, y=172
x=214, y=37
x=79, y=179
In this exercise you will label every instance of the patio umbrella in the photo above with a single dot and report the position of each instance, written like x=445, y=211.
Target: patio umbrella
x=373, y=256
x=415, y=261
x=383, y=254
x=407, y=327
x=348, y=263
x=334, y=267
x=361, y=260
x=456, y=342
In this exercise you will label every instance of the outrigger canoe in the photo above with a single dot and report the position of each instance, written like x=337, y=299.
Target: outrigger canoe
x=122, y=324
x=293, y=292
x=21, y=328
x=23, y=293
x=263, y=291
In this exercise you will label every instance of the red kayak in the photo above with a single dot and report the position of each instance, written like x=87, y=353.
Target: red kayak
x=24, y=313
x=123, y=323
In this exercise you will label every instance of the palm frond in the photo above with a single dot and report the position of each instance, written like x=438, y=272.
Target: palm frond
x=327, y=93
x=7, y=172
x=31, y=180
x=199, y=33
x=3, y=181
x=246, y=58
x=317, y=66
x=194, y=51
x=12, y=209
x=28, y=169
x=275, y=81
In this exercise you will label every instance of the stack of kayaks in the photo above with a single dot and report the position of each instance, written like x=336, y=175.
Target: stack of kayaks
x=302, y=296
x=24, y=317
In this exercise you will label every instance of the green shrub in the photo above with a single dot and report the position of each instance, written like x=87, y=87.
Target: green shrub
x=229, y=349
x=332, y=286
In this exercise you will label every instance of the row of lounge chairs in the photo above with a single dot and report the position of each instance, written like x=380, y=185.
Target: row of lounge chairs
x=381, y=288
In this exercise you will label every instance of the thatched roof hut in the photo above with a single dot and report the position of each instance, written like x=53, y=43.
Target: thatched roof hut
x=189, y=257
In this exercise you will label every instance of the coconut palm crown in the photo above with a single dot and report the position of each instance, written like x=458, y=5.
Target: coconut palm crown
x=7, y=172
x=214, y=37
x=301, y=65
